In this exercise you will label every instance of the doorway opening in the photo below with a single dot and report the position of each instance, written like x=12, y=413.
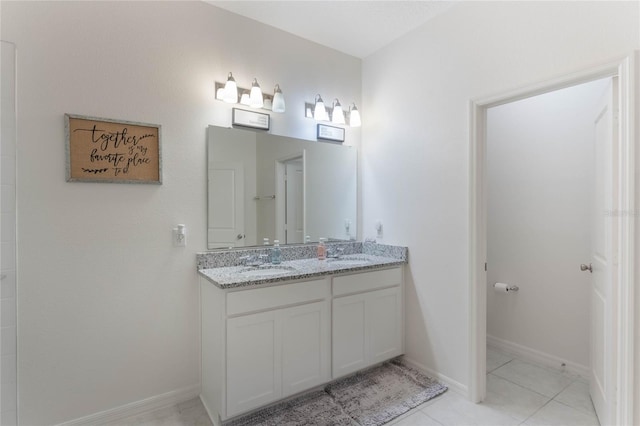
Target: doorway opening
x=290, y=191
x=619, y=315
x=544, y=154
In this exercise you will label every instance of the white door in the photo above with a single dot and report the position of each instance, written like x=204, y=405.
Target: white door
x=294, y=218
x=226, y=205
x=306, y=344
x=603, y=258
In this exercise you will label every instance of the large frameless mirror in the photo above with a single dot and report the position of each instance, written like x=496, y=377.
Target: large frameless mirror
x=263, y=186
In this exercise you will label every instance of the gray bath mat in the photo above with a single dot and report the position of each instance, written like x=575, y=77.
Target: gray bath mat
x=316, y=408
x=374, y=397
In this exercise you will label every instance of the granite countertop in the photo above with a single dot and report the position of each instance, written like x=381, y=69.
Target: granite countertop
x=244, y=276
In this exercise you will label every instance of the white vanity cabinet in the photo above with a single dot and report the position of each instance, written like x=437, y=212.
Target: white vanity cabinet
x=262, y=344
x=367, y=320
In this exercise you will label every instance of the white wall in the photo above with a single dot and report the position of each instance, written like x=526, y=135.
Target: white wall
x=107, y=306
x=416, y=92
x=540, y=176
x=8, y=343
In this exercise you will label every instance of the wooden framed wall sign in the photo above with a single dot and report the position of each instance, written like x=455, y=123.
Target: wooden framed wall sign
x=113, y=151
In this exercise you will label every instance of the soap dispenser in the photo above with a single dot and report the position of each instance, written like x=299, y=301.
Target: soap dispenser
x=276, y=253
x=322, y=249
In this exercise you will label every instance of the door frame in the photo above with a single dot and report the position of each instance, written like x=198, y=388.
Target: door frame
x=625, y=69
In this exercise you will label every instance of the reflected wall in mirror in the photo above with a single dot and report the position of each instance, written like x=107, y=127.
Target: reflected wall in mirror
x=268, y=186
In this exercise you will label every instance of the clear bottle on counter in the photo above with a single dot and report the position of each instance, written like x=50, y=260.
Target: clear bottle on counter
x=276, y=253
x=322, y=249
x=265, y=241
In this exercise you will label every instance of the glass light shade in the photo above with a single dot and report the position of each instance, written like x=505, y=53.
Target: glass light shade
x=220, y=94
x=255, y=98
x=337, y=117
x=244, y=99
x=320, y=112
x=278, y=100
x=354, y=117
x=231, y=90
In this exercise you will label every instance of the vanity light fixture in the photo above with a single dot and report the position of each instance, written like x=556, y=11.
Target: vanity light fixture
x=354, y=116
x=278, y=100
x=337, y=115
x=255, y=97
x=231, y=90
x=228, y=92
x=320, y=111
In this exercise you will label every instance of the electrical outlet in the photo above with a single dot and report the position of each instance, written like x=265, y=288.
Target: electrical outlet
x=378, y=226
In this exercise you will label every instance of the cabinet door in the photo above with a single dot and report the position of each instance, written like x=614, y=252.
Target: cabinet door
x=349, y=334
x=305, y=347
x=254, y=375
x=367, y=329
x=384, y=324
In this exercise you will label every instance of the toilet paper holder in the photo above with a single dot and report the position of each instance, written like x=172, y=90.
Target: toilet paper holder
x=505, y=287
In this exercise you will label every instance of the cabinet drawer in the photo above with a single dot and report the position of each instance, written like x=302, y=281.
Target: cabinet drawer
x=366, y=281
x=259, y=299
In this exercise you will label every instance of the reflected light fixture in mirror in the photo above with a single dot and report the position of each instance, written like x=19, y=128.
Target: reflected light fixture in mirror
x=337, y=116
x=230, y=90
x=278, y=100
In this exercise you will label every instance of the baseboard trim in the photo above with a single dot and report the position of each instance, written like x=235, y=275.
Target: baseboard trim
x=139, y=407
x=452, y=384
x=539, y=357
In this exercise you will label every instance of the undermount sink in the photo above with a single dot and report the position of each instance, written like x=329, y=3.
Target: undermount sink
x=265, y=272
x=349, y=262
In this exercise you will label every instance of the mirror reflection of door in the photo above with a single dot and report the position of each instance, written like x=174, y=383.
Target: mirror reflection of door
x=294, y=201
x=226, y=205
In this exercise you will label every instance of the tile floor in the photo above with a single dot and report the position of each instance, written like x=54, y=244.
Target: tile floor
x=518, y=393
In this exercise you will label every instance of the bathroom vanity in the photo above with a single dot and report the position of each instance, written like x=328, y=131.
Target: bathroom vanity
x=273, y=331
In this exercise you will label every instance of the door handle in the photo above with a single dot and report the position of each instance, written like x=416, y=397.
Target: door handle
x=240, y=236
x=584, y=267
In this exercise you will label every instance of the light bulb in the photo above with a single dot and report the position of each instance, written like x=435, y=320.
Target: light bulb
x=337, y=117
x=244, y=99
x=231, y=90
x=255, y=98
x=319, y=112
x=354, y=117
x=278, y=100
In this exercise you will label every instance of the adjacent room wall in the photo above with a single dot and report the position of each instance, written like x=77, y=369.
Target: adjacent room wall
x=416, y=93
x=540, y=180
x=107, y=307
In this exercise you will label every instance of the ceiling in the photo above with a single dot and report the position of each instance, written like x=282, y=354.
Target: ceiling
x=358, y=28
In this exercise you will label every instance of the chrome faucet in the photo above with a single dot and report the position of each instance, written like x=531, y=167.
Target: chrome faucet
x=335, y=252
